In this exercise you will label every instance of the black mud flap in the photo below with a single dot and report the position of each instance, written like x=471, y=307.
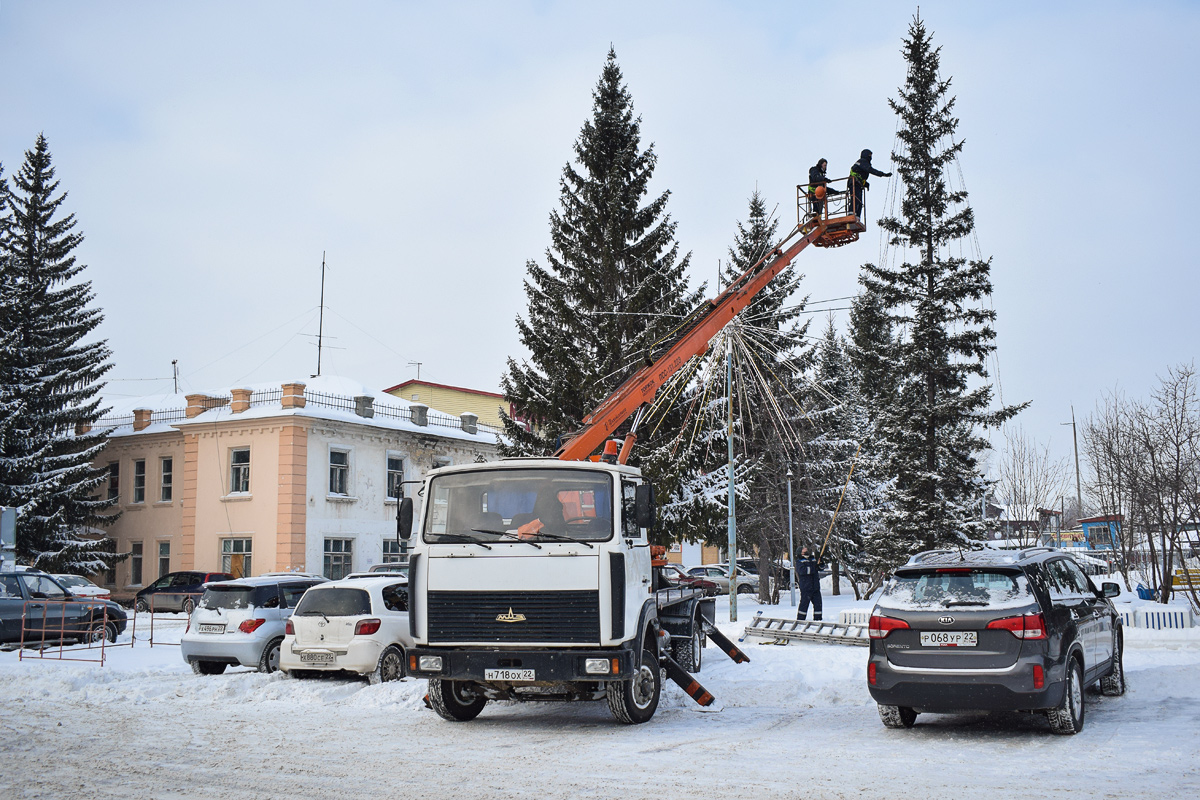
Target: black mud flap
x=729, y=648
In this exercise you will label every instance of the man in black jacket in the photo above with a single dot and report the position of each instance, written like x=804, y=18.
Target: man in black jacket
x=816, y=177
x=859, y=174
x=808, y=580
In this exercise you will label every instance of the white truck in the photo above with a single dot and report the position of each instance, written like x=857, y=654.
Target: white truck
x=533, y=579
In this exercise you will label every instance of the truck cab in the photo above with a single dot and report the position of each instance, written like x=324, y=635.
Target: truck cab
x=532, y=579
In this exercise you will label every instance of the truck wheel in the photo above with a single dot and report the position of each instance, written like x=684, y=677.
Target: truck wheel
x=634, y=701
x=455, y=700
x=686, y=652
x=897, y=716
x=1067, y=719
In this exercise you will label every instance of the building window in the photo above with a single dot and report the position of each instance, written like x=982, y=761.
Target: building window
x=139, y=481
x=235, y=556
x=339, y=558
x=395, y=552
x=135, y=564
x=395, y=477
x=339, y=471
x=239, y=471
x=168, y=477
x=114, y=480
x=164, y=558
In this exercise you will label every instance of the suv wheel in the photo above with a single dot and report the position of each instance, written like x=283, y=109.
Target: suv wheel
x=1067, y=719
x=1113, y=684
x=897, y=716
x=269, y=661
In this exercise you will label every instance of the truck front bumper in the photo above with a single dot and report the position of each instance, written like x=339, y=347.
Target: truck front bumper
x=486, y=665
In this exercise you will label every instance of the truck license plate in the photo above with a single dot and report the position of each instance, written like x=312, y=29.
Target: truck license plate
x=508, y=675
x=949, y=638
x=316, y=658
x=211, y=627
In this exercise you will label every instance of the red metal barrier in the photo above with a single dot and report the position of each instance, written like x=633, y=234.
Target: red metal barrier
x=48, y=626
x=171, y=616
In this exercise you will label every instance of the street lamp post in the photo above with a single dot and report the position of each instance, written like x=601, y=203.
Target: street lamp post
x=791, y=541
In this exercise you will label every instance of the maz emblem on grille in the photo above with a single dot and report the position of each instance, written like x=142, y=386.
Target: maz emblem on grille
x=510, y=617
x=946, y=620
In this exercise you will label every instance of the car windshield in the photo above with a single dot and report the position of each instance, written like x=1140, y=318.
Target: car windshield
x=949, y=588
x=234, y=597
x=518, y=505
x=334, y=602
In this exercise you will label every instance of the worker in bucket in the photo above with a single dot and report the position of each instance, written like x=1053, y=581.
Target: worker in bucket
x=859, y=173
x=808, y=580
x=818, y=187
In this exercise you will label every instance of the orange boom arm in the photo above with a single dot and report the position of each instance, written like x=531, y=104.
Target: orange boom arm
x=642, y=387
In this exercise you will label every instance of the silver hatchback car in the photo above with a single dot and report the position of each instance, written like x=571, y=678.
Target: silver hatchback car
x=242, y=622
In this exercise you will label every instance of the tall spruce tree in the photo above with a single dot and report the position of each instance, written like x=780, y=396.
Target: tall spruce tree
x=942, y=397
x=613, y=285
x=49, y=379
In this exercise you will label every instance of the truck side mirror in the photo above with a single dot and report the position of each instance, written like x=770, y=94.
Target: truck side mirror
x=643, y=502
x=404, y=516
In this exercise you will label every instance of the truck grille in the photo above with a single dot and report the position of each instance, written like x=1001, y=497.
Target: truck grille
x=568, y=617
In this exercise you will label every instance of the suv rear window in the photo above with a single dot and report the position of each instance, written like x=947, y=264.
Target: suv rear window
x=337, y=602
x=231, y=597
x=957, y=588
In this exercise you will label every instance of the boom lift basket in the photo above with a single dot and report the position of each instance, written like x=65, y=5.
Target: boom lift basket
x=834, y=211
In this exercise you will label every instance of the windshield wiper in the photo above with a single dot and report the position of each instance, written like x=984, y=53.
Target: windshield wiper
x=462, y=537
x=558, y=537
x=512, y=536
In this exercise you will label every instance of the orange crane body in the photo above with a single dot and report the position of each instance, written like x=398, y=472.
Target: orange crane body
x=642, y=387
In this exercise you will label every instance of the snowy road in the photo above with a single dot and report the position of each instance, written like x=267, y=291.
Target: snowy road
x=796, y=722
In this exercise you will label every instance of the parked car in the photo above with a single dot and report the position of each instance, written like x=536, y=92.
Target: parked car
x=677, y=576
x=242, y=622
x=392, y=567
x=176, y=591
x=993, y=631
x=357, y=624
x=82, y=587
x=718, y=574
x=86, y=619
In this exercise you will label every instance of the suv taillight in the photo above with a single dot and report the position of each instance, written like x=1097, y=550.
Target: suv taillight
x=366, y=627
x=250, y=625
x=288, y=628
x=1026, y=626
x=881, y=626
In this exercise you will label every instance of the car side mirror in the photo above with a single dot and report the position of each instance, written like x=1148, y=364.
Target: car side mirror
x=644, y=508
x=1110, y=589
x=404, y=517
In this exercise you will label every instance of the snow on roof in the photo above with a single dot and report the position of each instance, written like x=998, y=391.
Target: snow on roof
x=328, y=397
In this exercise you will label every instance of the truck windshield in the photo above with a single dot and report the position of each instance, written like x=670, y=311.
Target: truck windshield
x=550, y=505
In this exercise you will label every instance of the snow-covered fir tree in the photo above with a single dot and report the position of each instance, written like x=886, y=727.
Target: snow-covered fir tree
x=613, y=286
x=49, y=379
x=941, y=395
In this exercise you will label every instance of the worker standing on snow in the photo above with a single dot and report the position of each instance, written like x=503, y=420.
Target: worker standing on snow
x=859, y=173
x=817, y=179
x=808, y=580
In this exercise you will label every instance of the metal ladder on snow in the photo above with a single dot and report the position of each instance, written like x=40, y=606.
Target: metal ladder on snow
x=786, y=631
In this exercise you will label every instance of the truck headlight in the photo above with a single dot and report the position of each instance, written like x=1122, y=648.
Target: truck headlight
x=430, y=664
x=596, y=666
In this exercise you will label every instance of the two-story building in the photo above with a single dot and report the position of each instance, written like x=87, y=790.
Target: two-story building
x=292, y=476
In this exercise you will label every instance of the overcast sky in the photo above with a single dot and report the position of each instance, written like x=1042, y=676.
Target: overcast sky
x=212, y=151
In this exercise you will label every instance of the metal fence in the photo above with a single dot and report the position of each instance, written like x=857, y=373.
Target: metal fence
x=68, y=630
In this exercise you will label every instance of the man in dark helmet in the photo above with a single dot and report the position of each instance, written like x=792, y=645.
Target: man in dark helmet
x=859, y=173
x=816, y=177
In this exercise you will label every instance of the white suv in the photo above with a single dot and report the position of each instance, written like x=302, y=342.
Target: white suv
x=358, y=624
x=241, y=622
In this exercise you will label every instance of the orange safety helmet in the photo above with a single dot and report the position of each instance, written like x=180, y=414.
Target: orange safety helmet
x=819, y=192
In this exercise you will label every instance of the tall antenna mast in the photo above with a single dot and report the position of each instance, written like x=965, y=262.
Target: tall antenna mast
x=175, y=373
x=321, y=322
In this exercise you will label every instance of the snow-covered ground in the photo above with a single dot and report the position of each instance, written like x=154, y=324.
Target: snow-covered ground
x=795, y=722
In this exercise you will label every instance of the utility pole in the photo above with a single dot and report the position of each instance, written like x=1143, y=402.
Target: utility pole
x=321, y=322
x=732, y=511
x=791, y=540
x=1075, y=439
x=175, y=372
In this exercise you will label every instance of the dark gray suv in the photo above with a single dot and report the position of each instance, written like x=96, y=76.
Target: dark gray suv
x=992, y=630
